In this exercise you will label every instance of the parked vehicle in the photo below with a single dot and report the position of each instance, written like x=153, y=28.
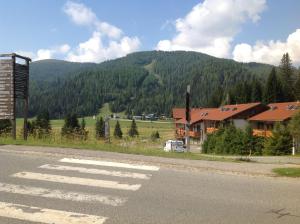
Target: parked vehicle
x=174, y=146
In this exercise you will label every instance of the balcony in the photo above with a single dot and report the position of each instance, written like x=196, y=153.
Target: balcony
x=262, y=133
x=211, y=130
x=180, y=133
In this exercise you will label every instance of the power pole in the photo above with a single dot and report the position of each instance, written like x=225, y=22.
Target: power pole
x=107, y=130
x=188, y=118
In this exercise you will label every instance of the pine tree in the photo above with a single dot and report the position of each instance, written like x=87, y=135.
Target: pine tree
x=286, y=76
x=71, y=124
x=41, y=127
x=118, y=132
x=281, y=141
x=133, y=129
x=82, y=124
x=74, y=121
x=155, y=135
x=273, y=90
x=100, y=128
x=256, y=91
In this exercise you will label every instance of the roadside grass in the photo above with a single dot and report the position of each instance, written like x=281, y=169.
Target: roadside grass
x=287, y=172
x=137, y=149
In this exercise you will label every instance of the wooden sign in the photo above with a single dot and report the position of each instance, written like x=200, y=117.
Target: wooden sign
x=14, y=82
x=6, y=89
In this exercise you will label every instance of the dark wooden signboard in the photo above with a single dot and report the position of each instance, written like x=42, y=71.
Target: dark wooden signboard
x=14, y=82
x=6, y=90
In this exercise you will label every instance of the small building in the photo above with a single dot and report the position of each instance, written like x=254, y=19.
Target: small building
x=207, y=120
x=264, y=122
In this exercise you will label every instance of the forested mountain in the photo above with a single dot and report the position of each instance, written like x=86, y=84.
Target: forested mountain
x=51, y=69
x=143, y=82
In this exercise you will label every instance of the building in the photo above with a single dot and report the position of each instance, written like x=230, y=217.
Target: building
x=207, y=120
x=264, y=122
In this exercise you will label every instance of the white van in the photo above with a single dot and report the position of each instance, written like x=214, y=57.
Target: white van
x=174, y=146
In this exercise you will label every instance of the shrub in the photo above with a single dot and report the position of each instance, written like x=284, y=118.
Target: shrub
x=5, y=126
x=155, y=136
x=118, y=132
x=100, y=128
x=72, y=129
x=280, y=143
x=133, y=132
x=233, y=141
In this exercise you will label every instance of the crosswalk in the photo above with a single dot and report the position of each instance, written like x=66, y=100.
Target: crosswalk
x=121, y=173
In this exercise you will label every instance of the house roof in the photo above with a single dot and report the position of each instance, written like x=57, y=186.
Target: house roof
x=197, y=114
x=277, y=112
x=228, y=111
x=178, y=113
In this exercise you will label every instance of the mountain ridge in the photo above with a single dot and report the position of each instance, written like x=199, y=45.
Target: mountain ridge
x=141, y=82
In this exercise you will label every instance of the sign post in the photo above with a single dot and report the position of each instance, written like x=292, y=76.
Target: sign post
x=14, y=82
x=187, y=118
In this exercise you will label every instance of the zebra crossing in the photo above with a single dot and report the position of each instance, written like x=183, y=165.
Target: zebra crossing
x=121, y=173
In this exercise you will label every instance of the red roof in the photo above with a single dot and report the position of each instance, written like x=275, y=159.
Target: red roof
x=218, y=114
x=196, y=115
x=228, y=111
x=277, y=112
x=178, y=113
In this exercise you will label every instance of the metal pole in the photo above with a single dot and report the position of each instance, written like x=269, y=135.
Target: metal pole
x=188, y=119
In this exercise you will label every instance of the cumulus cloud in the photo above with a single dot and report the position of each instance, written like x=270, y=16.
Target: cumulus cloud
x=270, y=52
x=49, y=53
x=79, y=13
x=106, y=42
x=211, y=26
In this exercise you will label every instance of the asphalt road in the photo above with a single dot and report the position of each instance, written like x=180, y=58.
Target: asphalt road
x=37, y=188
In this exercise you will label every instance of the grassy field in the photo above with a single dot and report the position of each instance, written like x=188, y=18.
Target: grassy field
x=143, y=144
x=287, y=172
x=144, y=141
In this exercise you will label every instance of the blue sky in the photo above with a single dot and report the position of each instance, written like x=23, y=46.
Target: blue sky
x=90, y=30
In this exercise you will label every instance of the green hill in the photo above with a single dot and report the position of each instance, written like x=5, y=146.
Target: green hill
x=142, y=82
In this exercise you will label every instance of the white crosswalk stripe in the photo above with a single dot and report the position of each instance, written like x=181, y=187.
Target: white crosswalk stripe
x=49, y=216
x=110, y=164
x=97, y=171
x=60, y=194
x=77, y=180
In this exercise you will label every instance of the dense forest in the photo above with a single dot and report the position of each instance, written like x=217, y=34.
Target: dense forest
x=154, y=82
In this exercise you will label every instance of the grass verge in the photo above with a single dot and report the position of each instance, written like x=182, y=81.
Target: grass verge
x=287, y=172
x=110, y=147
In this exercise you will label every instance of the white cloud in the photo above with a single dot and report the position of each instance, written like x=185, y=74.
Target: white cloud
x=43, y=54
x=211, y=26
x=79, y=13
x=93, y=49
x=270, y=52
x=82, y=15
x=106, y=42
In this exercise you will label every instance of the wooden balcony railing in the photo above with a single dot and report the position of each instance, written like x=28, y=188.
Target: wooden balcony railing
x=181, y=133
x=211, y=130
x=262, y=133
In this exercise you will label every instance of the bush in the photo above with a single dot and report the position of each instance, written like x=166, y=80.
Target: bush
x=100, y=128
x=155, y=136
x=5, y=126
x=233, y=141
x=118, y=132
x=133, y=132
x=280, y=143
x=72, y=129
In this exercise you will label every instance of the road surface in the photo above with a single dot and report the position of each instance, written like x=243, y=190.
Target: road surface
x=61, y=189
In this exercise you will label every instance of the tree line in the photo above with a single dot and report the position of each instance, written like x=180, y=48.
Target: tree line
x=155, y=82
